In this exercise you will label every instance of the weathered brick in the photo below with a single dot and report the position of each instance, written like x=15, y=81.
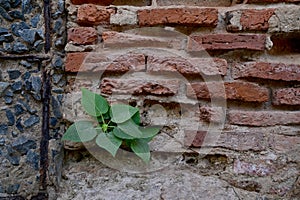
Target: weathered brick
x=226, y=42
x=74, y=62
x=82, y=35
x=248, y=20
x=90, y=14
x=210, y=3
x=287, y=96
x=272, y=1
x=185, y=16
x=258, y=168
x=241, y=141
x=264, y=70
x=212, y=114
x=98, y=2
x=191, y=66
x=242, y=91
x=263, y=118
x=100, y=62
x=279, y=22
x=284, y=143
x=139, y=87
x=113, y=39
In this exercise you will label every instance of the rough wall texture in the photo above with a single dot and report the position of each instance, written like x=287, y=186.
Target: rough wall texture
x=220, y=77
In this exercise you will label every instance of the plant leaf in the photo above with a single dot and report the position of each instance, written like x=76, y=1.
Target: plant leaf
x=130, y=128
x=141, y=149
x=109, y=142
x=120, y=134
x=94, y=104
x=149, y=132
x=81, y=131
x=120, y=112
x=136, y=118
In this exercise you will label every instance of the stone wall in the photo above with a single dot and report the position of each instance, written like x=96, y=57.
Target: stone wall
x=221, y=78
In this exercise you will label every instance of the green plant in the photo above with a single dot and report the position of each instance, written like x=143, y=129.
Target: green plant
x=117, y=124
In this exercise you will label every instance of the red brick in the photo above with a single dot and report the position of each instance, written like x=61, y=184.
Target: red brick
x=258, y=168
x=263, y=118
x=249, y=20
x=210, y=3
x=287, y=96
x=74, y=62
x=240, y=141
x=139, y=87
x=284, y=143
x=89, y=14
x=256, y=19
x=226, y=42
x=242, y=91
x=185, y=16
x=98, y=2
x=272, y=1
x=272, y=71
x=99, y=62
x=189, y=67
x=82, y=35
x=113, y=39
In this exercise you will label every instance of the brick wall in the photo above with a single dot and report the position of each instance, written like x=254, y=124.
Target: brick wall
x=221, y=77
x=226, y=74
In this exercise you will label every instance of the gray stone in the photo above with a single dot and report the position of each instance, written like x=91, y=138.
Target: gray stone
x=57, y=26
x=9, y=93
x=14, y=134
x=26, y=76
x=58, y=90
x=20, y=47
x=16, y=86
x=2, y=141
x=16, y=14
x=28, y=35
x=3, y=31
x=33, y=159
x=26, y=64
x=3, y=129
x=5, y=15
x=56, y=108
x=56, y=78
x=53, y=121
x=12, y=156
x=18, y=109
x=35, y=20
x=10, y=117
x=36, y=83
x=60, y=98
x=31, y=121
x=19, y=125
x=8, y=100
x=27, y=106
x=13, y=74
x=7, y=47
x=6, y=38
x=5, y=4
x=15, y=3
x=26, y=6
x=3, y=87
x=1, y=189
x=23, y=145
x=16, y=27
x=38, y=45
x=58, y=63
x=13, y=189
